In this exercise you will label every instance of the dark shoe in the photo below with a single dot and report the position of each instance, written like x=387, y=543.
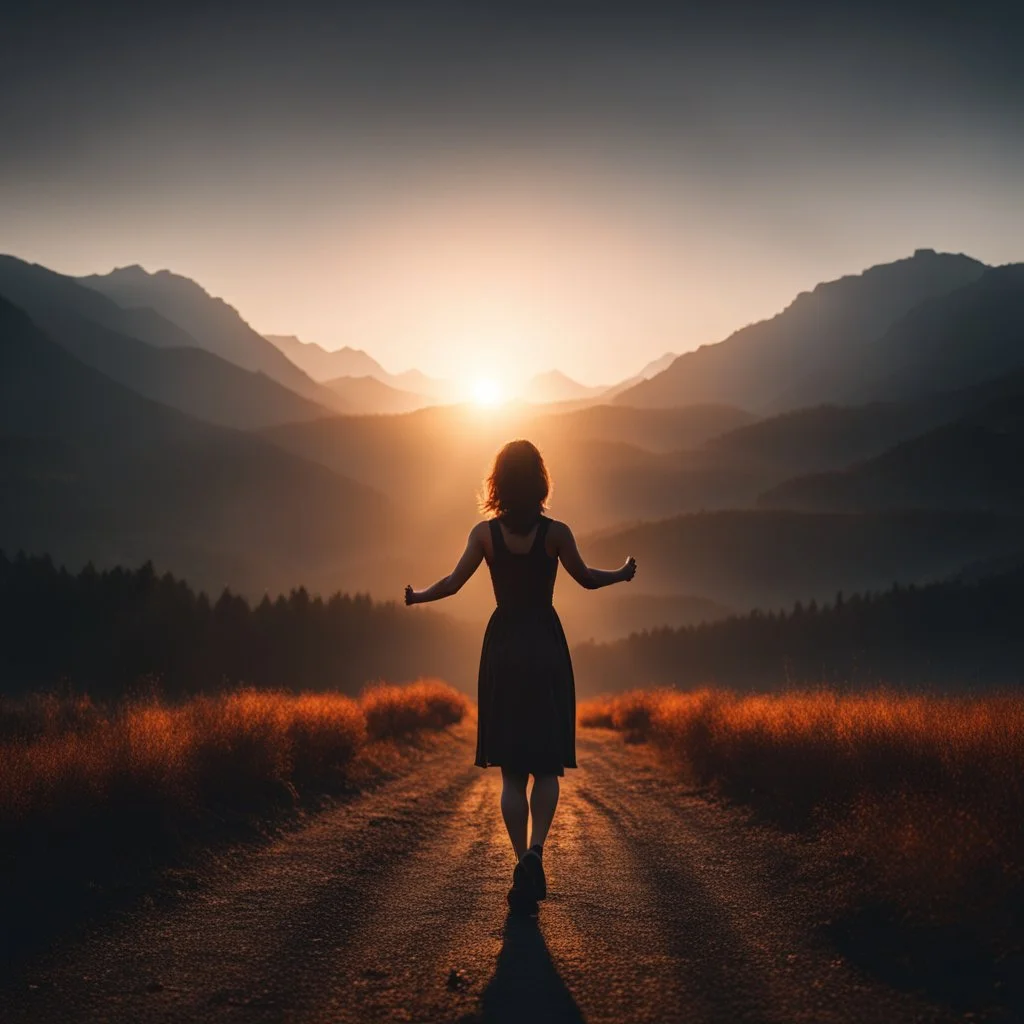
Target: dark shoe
x=521, y=897
x=533, y=868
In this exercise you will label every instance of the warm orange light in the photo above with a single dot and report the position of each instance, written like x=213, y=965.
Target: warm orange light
x=487, y=392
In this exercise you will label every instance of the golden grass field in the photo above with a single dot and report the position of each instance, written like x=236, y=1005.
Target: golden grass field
x=925, y=793
x=97, y=803
x=60, y=758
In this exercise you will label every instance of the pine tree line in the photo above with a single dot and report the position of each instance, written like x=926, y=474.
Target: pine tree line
x=110, y=632
x=949, y=634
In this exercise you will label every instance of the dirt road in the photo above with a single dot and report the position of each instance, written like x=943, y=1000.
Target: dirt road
x=663, y=907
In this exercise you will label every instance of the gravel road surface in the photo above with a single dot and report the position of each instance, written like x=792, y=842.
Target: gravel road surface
x=663, y=907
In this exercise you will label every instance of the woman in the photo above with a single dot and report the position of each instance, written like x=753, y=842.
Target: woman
x=527, y=699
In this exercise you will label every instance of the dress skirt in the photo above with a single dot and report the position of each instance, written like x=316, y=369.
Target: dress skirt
x=526, y=695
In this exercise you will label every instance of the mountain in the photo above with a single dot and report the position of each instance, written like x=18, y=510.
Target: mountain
x=337, y=369
x=958, y=635
x=963, y=337
x=555, y=386
x=369, y=396
x=418, y=383
x=765, y=366
x=89, y=470
x=619, y=614
x=823, y=436
x=324, y=364
x=103, y=335
x=976, y=461
x=770, y=558
x=431, y=463
x=592, y=453
x=211, y=322
x=658, y=430
x=656, y=366
x=606, y=395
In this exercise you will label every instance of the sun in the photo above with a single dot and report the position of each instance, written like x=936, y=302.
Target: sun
x=486, y=391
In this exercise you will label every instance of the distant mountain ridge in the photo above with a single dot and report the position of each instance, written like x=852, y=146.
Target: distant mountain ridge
x=556, y=386
x=212, y=322
x=327, y=364
x=962, y=337
x=349, y=372
x=365, y=396
x=147, y=353
x=91, y=470
x=973, y=462
x=890, y=472
x=765, y=366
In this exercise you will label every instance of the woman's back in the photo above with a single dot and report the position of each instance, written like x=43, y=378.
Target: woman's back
x=524, y=580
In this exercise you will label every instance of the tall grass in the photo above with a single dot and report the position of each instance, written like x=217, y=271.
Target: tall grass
x=61, y=758
x=88, y=793
x=927, y=792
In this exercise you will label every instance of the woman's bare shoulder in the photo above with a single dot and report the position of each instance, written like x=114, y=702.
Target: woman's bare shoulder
x=559, y=530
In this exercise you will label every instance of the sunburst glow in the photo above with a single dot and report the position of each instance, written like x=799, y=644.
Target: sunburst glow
x=486, y=391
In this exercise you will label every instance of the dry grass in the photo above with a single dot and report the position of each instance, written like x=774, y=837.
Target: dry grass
x=396, y=711
x=94, y=798
x=59, y=758
x=927, y=791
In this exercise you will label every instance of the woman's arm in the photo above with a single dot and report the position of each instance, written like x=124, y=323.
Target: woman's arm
x=454, y=581
x=589, y=579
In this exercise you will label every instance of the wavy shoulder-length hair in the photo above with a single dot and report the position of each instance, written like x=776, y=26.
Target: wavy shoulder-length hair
x=518, y=486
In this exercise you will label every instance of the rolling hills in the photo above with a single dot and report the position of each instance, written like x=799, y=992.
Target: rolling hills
x=770, y=558
x=976, y=462
x=89, y=470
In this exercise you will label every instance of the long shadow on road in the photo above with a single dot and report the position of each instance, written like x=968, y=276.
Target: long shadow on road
x=526, y=985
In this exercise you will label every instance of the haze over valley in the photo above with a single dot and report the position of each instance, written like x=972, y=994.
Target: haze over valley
x=870, y=432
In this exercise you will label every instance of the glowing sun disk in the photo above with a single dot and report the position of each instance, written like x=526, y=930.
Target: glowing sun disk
x=486, y=391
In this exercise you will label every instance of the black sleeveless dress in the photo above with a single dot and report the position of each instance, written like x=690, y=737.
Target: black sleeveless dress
x=526, y=693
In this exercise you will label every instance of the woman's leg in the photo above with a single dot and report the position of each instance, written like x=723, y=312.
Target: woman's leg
x=543, y=801
x=514, y=808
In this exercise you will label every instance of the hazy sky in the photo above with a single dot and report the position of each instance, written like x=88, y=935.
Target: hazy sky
x=506, y=187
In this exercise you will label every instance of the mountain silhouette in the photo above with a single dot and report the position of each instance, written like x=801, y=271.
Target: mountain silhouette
x=326, y=364
x=92, y=471
x=963, y=337
x=555, y=386
x=656, y=366
x=903, y=473
x=651, y=369
x=597, y=454
x=764, y=367
x=335, y=367
x=103, y=335
x=211, y=322
x=770, y=558
x=368, y=395
x=823, y=437
x=976, y=461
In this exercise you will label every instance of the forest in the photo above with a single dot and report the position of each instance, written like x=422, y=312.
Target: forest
x=115, y=632
x=957, y=635
x=119, y=632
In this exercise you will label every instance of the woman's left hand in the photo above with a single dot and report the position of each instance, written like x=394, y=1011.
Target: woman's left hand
x=410, y=595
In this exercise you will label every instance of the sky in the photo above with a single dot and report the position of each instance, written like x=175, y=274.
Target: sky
x=500, y=189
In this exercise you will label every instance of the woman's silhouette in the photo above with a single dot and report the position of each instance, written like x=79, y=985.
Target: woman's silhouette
x=526, y=698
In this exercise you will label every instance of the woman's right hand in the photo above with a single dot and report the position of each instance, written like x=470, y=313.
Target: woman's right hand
x=628, y=571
